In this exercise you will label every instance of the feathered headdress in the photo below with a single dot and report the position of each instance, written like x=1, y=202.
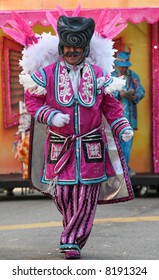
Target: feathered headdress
x=42, y=50
x=102, y=56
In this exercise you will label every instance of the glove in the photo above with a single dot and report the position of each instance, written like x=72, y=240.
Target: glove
x=60, y=119
x=127, y=135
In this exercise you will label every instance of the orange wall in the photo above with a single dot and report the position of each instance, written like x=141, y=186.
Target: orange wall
x=138, y=38
x=50, y=4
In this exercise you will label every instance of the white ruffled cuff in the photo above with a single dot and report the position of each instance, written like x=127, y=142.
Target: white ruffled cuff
x=30, y=85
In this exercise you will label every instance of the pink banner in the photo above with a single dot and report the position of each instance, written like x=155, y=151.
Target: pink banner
x=155, y=96
x=134, y=15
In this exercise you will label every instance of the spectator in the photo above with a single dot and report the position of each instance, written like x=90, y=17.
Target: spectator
x=129, y=96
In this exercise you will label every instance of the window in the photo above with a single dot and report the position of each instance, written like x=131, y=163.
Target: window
x=12, y=91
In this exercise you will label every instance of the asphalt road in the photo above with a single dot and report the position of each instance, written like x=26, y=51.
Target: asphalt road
x=30, y=228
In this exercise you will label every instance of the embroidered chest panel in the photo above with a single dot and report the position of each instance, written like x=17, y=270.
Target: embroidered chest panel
x=63, y=88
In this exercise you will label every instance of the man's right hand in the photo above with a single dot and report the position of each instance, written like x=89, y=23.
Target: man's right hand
x=60, y=119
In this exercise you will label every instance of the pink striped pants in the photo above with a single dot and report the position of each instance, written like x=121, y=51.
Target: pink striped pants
x=77, y=204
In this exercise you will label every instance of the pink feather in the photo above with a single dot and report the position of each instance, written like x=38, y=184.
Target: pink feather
x=52, y=20
x=113, y=33
x=61, y=11
x=13, y=24
x=111, y=25
x=20, y=31
x=76, y=12
x=113, y=28
x=19, y=37
x=23, y=26
x=100, y=20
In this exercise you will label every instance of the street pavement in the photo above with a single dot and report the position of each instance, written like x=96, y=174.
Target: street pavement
x=30, y=228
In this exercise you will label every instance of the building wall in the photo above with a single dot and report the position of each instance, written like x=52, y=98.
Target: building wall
x=137, y=37
x=50, y=4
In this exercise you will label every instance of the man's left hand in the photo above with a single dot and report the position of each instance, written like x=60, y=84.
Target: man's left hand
x=127, y=135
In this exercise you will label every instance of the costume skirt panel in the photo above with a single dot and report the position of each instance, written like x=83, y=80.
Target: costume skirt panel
x=116, y=189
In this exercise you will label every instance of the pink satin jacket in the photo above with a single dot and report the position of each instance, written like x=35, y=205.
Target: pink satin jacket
x=78, y=151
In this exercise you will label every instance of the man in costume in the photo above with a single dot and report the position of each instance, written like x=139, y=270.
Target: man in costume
x=70, y=97
x=77, y=123
x=129, y=96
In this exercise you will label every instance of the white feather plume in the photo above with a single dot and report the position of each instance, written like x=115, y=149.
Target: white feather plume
x=39, y=55
x=102, y=52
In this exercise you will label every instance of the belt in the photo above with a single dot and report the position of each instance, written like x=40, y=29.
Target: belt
x=71, y=139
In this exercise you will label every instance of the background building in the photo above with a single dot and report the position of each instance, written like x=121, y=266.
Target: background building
x=141, y=35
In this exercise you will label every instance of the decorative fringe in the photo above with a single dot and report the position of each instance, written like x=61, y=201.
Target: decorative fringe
x=52, y=187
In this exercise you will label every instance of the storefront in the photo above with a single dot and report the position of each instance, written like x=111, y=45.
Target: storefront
x=141, y=35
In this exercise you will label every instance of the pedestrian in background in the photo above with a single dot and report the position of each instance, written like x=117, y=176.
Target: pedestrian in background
x=131, y=94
